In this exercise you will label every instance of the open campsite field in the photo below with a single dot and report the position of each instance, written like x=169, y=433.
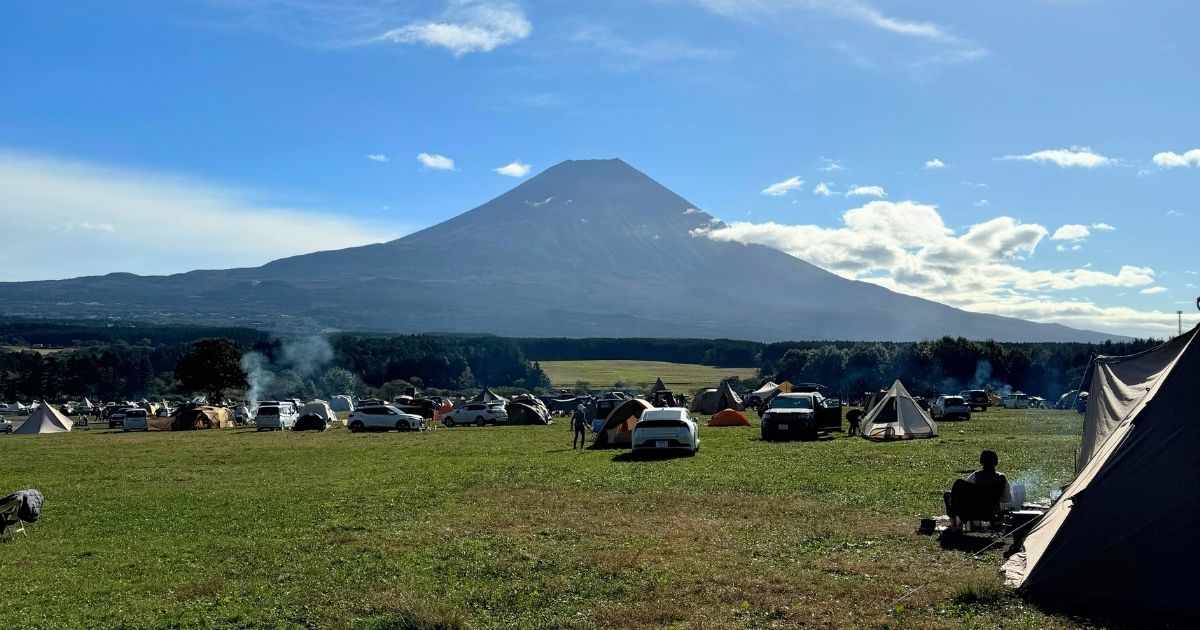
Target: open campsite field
x=506, y=527
x=681, y=377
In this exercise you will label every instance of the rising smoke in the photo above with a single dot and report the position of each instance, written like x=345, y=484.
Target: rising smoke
x=306, y=356
x=258, y=376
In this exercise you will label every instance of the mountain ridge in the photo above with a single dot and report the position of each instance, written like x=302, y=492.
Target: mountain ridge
x=586, y=248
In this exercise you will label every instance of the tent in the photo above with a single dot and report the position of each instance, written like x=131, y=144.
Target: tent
x=46, y=419
x=768, y=389
x=341, y=403
x=659, y=386
x=202, y=418
x=728, y=418
x=320, y=408
x=898, y=417
x=526, y=409
x=617, y=430
x=487, y=395
x=785, y=387
x=87, y=404
x=713, y=400
x=1120, y=539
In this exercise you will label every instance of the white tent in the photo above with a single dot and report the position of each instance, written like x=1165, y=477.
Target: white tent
x=766, y=391
x=320, y=408
x=1121, y=537
x=46, y=419
x=341, y=403
x=898, y=417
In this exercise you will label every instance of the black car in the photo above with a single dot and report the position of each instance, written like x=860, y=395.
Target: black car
x=800, y=415
x=976, y=399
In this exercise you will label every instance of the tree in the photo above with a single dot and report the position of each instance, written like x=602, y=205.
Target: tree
x=211, y=367
x=340, y=382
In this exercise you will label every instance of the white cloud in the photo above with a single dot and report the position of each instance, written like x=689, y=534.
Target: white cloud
x=981, y=203
x=1071, y=232
x=823, y=189
x=973, y=184
x=1153, y=290
x=378, y=157
x=435, y=161
x=1081, y=157
x=934, y=164
x=1176, y=213
x=692, y=211
x=906, y=246
x=111, y=219
x=468, y=26
x=633, y=54
x=514, y=169
x=866, y=191
x=779, y=189
x=1189, y=286
x=1191, y=273
x=1170, y=159
x=1104, y=227
x=831, y=165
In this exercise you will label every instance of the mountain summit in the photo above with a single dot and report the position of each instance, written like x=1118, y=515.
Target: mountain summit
x=586, y=248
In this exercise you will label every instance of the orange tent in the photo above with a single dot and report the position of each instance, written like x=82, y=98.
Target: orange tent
x=728, y=418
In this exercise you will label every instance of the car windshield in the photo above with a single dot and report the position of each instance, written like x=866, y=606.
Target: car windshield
x=268, y=411
x=954, y=400
x=792, y=403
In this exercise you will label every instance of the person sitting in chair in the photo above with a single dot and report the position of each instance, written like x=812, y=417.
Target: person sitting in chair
x=985, y=493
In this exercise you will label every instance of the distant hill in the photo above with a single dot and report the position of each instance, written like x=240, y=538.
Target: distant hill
x=587, y=248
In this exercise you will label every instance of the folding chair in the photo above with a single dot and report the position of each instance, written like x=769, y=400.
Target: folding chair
x=10, y=523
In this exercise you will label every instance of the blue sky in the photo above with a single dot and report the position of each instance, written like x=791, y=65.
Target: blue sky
x=1023, y=158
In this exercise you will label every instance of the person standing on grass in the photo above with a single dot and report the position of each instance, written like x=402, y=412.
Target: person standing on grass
x=579, y=421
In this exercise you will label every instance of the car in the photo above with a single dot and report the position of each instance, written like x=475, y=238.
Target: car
x=116, y=417
x=478, y=414
x=275, y=416
x=800, y=415
x=6, y=427
x=950, y=408
x=384, y=418
x=1016, y=401
x=976, y=399
x=670, y=429
x=135, y=420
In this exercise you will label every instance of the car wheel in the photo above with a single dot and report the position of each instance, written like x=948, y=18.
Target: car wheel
x=401, y=426
x=448, y=422
x=8, y=429
x=356, y=426
x=479, y=422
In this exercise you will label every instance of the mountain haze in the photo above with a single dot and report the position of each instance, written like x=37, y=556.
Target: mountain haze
x=586, y=248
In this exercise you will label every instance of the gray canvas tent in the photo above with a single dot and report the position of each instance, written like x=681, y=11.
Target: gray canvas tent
x=897, y=417
x=487, y=395
x=713, y=400
x=341, y=403
x=46, y=419
x=1121, y=538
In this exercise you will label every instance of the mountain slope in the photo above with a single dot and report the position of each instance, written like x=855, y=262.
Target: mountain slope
x=587, y=248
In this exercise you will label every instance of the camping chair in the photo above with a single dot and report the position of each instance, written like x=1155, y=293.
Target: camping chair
x=10, y=523
x=976, y=502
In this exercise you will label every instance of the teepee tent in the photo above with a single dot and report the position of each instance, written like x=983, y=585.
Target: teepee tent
x=46, y=419
x=897, y=417
x=487, y=395
x=659, y=386
x=1121, y=538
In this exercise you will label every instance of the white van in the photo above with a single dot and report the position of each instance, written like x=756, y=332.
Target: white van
x=135, y=420
x=1016, y=401
x=275, y=416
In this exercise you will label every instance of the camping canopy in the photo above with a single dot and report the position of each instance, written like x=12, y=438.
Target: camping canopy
x=46, y=419
x=897, y=417
x=1121, y=538
x=767, y=390
x=202, y=418
x=320, y=408
x=617, y=431
x=728, y=418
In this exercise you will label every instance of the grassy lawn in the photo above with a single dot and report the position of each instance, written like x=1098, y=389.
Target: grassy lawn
x=681, y=377
x=507, y=527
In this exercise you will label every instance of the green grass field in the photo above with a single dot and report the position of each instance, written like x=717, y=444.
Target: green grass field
x=681, y=377
x=507, y=527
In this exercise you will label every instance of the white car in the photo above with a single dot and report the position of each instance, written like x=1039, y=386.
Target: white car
x=6, y=427
x=275, y=416
x=383, y=418
x=1016, y=401
x=666, y=429
x=949, y=408
x=478, y=414
x=135, y=420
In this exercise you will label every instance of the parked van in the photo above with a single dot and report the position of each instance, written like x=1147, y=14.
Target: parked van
x=135, y=420
x=1016, y=401
x=275, y=416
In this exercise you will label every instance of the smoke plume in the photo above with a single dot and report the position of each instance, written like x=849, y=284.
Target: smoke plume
x=257, y=375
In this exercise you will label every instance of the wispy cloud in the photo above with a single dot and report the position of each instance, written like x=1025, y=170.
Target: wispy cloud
x=466, y=27
x=96, y=212
x=1074, y=157
x=779, y=189
x=934, y=164
x=435, y=162
x=1170, y=159
x=1071, y=232
x=866, y=191
x=1153, y=290
x=823, y=189
x=831, y=165
x=628, y=53
x=514, y=169
x=981, y=203
x=378, y=157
